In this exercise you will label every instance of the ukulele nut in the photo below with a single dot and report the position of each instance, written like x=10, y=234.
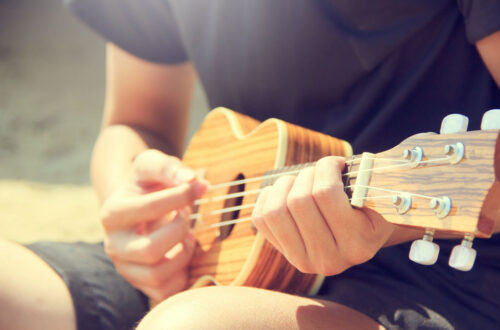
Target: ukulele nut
x=441, y=206
x=402, y=202
x=455, y=152
x=414, y=156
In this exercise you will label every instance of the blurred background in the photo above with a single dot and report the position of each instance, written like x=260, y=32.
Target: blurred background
x=51, y=98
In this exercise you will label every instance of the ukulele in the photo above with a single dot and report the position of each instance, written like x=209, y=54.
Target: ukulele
x=440, y=182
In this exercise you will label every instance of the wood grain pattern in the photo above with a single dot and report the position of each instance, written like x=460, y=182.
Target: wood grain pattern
x=229, y=146
x=466, y=183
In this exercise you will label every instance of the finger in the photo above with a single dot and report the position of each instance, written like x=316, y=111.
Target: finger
x=153, y=166
x=330, y=196
x=146, y=249
x=258, y=218
x=155, y=276
x=318, y=239
x=358, y=236
x=280, y=222
x=176, y=283
x=130, y=211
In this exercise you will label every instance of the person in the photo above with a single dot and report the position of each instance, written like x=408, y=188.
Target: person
x=371, y=73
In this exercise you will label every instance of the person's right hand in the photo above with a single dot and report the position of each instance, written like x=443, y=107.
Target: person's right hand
x=146, y=224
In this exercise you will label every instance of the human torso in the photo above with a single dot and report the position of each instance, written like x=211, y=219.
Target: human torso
x=368, y=72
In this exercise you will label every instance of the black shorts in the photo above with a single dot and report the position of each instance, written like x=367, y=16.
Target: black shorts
x=392, y=290
x=103, y=300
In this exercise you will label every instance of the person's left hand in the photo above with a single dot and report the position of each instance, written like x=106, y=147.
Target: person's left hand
x=309, y=219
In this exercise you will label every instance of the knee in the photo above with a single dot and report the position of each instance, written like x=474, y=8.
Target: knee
x=204, y=308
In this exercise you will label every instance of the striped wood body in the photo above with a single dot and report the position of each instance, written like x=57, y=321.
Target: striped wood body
x=231, y=146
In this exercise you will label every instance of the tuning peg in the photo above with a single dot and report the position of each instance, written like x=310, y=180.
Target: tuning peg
x=454, y=123
x=491, y=119
x=462, y=256
x=424, y=251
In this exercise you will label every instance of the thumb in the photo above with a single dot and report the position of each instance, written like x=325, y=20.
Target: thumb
x=153, y=166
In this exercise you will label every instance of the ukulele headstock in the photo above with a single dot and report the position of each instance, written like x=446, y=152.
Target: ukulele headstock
x=439, y=182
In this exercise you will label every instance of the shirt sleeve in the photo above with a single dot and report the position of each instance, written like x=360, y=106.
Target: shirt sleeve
x=145, y=28
x=482, y=18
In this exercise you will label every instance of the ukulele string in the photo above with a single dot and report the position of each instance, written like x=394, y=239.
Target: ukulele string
x=296, y=171
x=396, y=166
x=222, y=211
x=391, y=191
x=289, y=172
x=249, y=218
x=228, y=196
x=197, y=216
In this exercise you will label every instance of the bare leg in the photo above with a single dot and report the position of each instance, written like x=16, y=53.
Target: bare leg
x=32, y=294
x=250, y=308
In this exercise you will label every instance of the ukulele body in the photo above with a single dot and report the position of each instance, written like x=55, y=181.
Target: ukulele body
x=229, y=147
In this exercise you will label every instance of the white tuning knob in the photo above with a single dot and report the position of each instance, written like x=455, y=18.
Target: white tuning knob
x=424, y=252
x=454, y=123
x=462, y=256
x=491, y=119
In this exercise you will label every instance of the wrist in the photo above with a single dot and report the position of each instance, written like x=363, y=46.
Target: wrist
x=115, y=151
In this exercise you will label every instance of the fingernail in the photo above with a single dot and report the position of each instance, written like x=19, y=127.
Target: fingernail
x=200, y=187
x=183, y=175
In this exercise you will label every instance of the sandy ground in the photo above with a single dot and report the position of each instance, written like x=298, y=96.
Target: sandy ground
x=51, y=96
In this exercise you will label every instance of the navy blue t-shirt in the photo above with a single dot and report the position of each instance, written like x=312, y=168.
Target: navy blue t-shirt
x=372, y=72
x=369, y=72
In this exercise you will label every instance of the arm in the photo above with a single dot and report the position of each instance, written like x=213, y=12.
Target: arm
x=144, y=190
x=147, y=106
x=489, y=49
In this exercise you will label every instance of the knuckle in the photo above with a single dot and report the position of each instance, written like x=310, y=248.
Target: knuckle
x=328, y=268
x=120, y=270
x=142, y=158
x=149, y=255
x=110, y=251
x=326, y=191
x=110, y=212
x=325, y=161
x=106, y=216
x=299, y=202
x=146, y=155
x=258, y=220
x=330, y=161
x=304, y=267
x=359, y=254
x=154, y=277
x=284, y=180
x=274, y=213
x=322, y=193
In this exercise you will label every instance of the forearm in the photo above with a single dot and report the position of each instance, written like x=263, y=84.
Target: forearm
x=147, y=106
x=115, y=149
